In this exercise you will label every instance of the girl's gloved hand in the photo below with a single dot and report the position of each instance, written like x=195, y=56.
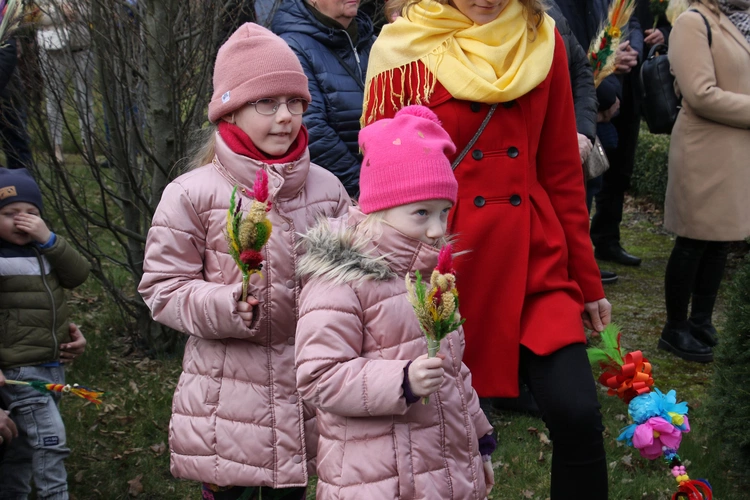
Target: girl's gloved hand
x=426, y=375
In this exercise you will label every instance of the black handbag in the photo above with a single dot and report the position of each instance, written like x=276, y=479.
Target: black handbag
x=660, y=102
x=661, y=105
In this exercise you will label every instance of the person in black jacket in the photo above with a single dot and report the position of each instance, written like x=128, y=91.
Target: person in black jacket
x=605, y=226
x=13, y=135
x=586, y=17
x=332, y=40
x=582, y=81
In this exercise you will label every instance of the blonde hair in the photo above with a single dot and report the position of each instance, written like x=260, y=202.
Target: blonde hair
x=677, y=7
x=533, y=10
x=372, y=227
x=204, y=150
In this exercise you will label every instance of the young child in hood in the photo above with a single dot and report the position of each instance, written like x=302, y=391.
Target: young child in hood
x=360, y=354
x=237, y=424
x=36, y=266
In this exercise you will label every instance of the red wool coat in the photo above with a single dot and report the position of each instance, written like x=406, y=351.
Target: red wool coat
x=521, y=212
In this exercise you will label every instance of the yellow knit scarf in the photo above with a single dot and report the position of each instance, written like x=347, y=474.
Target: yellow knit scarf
x=495, y=62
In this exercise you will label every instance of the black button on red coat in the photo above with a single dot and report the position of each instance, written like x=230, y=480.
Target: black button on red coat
x=513, y=152
x=479, y=201
x=475, y=107
x=509, y=104
x=515, y=200
x=477, y=154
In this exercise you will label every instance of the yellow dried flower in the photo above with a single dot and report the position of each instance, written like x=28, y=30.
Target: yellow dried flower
x=448, y=305
x=247, y=233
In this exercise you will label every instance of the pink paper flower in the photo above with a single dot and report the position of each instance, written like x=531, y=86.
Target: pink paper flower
x=650, y=436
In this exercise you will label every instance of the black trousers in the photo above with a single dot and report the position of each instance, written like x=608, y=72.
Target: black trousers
x=695, y=268
x=564, y=388
x=605, y=225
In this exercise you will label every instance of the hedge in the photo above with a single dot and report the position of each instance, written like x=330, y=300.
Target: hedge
x=729, y=397
x=650, y=170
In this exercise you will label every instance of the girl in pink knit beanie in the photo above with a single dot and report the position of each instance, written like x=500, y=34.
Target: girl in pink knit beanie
x=360, y=353
x=238, y=425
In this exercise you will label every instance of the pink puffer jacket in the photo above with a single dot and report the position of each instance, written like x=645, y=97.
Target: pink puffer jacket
x=356, y=334
x=236, y=416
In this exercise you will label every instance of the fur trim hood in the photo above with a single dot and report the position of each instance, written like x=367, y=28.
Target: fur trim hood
x=336, y=251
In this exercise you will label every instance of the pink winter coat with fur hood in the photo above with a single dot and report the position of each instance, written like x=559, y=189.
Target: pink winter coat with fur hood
x=236, y=416
x=355, y=335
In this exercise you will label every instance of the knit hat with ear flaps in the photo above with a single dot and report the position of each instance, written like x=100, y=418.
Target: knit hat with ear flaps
x=17, y=185
x=252, y=64
x=405, y=161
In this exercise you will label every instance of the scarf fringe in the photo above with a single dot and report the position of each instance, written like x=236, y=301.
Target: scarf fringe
x=417, y=83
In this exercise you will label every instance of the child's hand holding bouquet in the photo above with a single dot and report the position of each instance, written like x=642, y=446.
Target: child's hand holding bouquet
x=436, y=308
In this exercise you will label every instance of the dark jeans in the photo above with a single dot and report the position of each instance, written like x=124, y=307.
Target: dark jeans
x=15, y=140
x=564, y=388
x=696, y=268
x=593, y=186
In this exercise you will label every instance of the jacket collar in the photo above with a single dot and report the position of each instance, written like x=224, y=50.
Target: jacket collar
x=293, y=17
x=730, y=28
x=725, y=24
x=403, y=253
x=285, y=180
x=337, y=250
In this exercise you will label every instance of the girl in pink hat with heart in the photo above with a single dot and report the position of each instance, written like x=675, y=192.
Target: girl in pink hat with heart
x=360, y=353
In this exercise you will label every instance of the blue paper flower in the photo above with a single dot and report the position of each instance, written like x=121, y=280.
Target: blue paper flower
x=627, y=434
x=672, y=411
x=645, y=406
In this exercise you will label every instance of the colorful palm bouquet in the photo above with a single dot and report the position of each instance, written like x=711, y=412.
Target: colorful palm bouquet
x=247, y=235
x=436, y=306
x=658, y=419
x=48, y=388
x=11, y=12
x=602, y=53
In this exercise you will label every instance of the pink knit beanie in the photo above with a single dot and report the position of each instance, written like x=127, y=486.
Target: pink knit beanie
x=405, y=161
x=252, y=64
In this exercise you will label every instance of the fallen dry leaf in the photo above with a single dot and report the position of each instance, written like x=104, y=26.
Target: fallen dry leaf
x=527, y=494
x=544, y=439
x=133, y=387
x=532, y=430
x=135, y=487
x=80, y=476
x=541, y=457
x=158, y=448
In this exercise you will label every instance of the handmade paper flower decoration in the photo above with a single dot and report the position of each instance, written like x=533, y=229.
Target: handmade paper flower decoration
x=657, y=403
x=659, y=420
x=92, y=395
x=626, y=377
x=651, y=436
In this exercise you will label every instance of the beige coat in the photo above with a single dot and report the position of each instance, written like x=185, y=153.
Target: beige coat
x=236, y=416
x=709, y=156
x=356, y=334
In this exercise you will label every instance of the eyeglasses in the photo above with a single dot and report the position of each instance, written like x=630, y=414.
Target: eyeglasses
x=296, y=106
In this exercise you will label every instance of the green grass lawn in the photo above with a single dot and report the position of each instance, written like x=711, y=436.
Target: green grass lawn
x=120, y=450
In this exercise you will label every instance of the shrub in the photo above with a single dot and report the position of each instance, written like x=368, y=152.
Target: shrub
x=729, y=401
x=650, y=171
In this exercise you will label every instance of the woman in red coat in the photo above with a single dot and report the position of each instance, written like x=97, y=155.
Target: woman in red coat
x=529, y=282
